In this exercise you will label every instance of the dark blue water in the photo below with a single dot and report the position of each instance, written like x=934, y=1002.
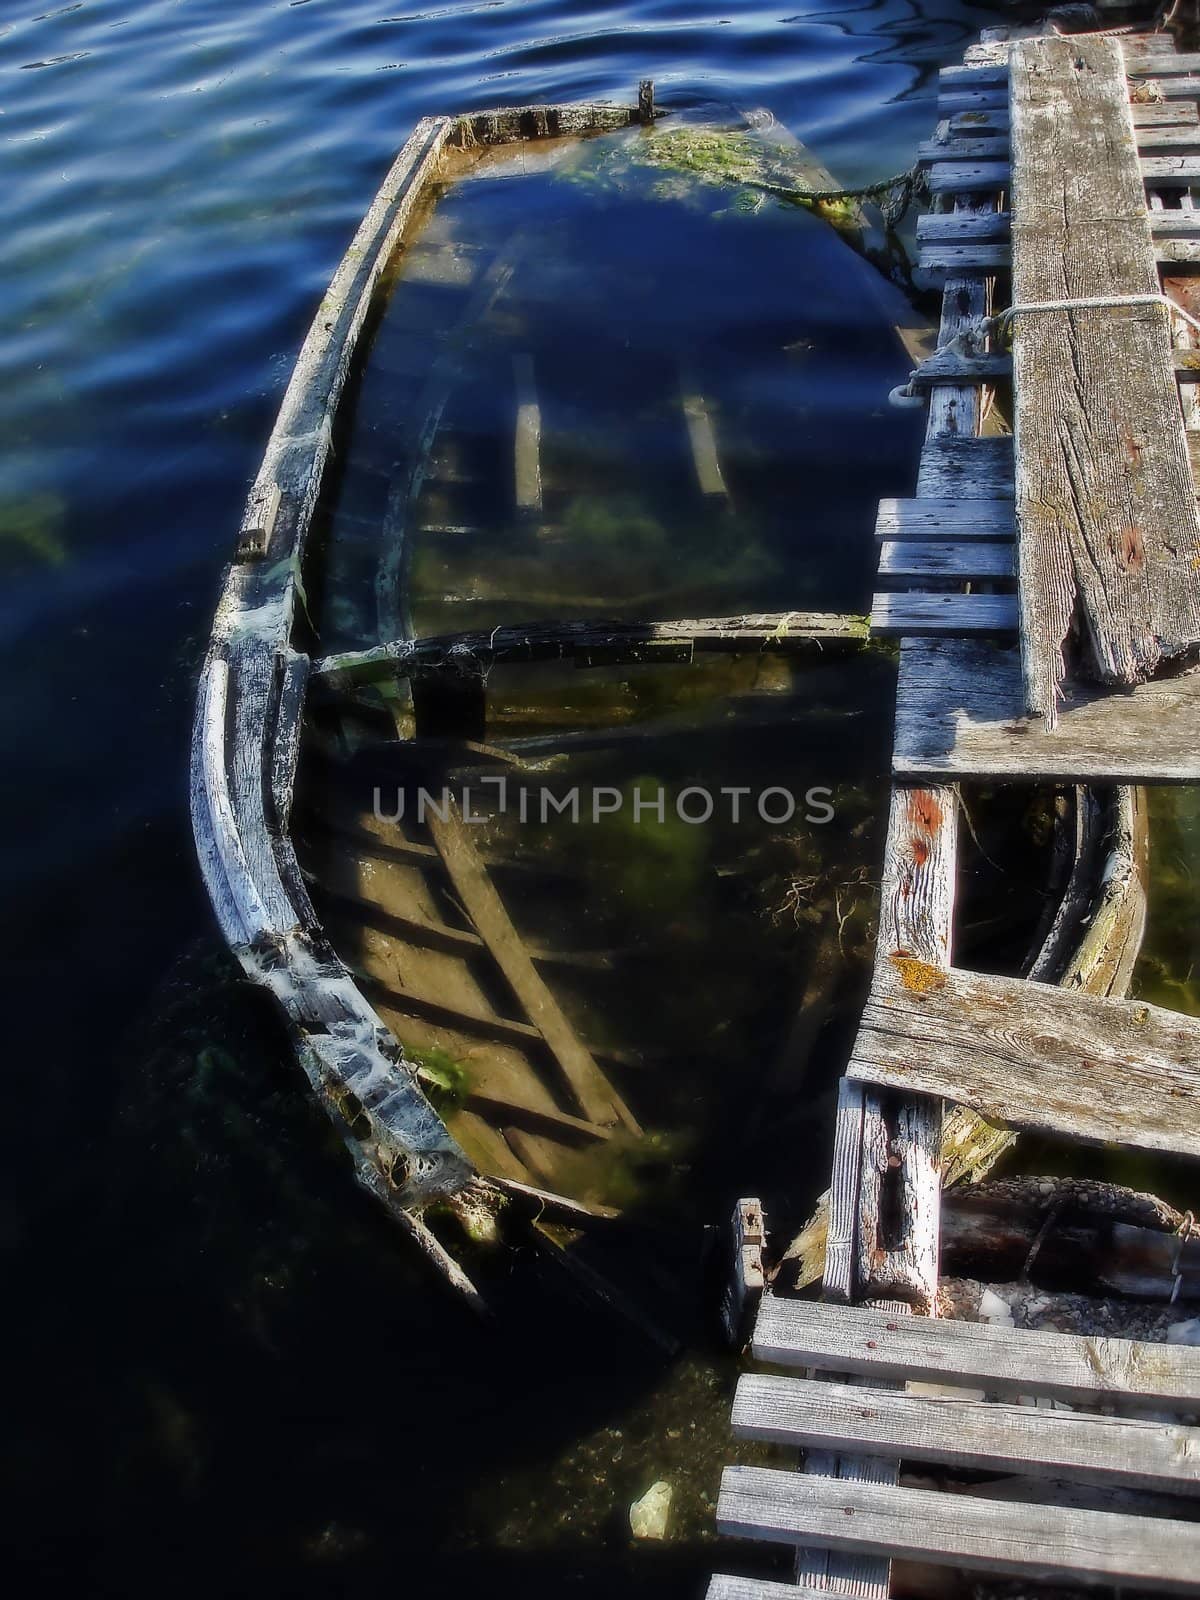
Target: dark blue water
x=233, y=1386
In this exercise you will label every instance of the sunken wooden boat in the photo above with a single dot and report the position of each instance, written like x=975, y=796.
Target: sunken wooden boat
x=386, y=943
x=465, y=1008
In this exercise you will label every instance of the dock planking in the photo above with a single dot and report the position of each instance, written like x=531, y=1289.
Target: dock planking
x=960, y=716
x=1032, y=1541
x=1032, y=1055
x=1120, y=547
x=1033, y=1361
x=967, y=1433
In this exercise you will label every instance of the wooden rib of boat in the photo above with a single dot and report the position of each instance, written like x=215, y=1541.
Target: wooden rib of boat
x=387, y=940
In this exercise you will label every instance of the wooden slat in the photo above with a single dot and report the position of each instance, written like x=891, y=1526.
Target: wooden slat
x=938, y=559
x=1180, y=248
x=968, y=177
x=1159, y=65
x=1146, y=114
x=1179, y=139
x=952, y=100
x=966, y=1433
x=962, y=227
x=961, y=466
x=803, y=1333
x=961, y=715
x=932, y=518
x=1032, y=1541
x=923, y=616
x=950, y=367
x=1032, y=1055
x=953, y=174
x=724, y=1587
x=1097, y=389
x=991, y=258
x=1170, y=171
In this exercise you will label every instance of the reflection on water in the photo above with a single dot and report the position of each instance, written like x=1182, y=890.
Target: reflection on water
x=240, y=1378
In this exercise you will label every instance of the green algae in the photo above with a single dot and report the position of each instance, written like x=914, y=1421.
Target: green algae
x=31, y=530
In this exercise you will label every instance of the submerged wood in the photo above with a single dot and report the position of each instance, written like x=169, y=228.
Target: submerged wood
x=1067, y=1239
x=783, y=633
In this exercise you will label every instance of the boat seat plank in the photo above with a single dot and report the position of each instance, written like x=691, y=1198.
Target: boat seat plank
x=1033, y=1055
x=967, y=1433
x=915, y=615
x=1065, y=1366
x=930, y=517
x=961, y=715
x=1033, y=1541
x=583, y=639
x=1122, y=546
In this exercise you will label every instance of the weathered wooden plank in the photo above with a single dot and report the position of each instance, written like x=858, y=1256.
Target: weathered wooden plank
x=781, y=632
x=968, y=177
x=1136, y=60
x=994, y=227
x=964, y=258
x=1178, y=248
x=841, y=1243
x=1171, y=171
x=1146, y=114
x=963, y=466
x=967, y=1433
x=527, y=447
x=1097, y=387
x=803, y=1333
x=591, y=1091
x=948, y=366
x=1032, y=1055
x=930, y=518
x=963, y=172
x=961, y=714
x=724, y=1587
x=946, y=559
x=962, y=227
x=1035, y=1541
x=952, y=100
x=914, y=615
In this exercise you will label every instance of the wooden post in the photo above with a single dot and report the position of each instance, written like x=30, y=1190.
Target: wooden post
x=646, y=112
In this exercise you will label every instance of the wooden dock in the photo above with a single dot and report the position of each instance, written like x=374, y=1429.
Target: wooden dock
x=1044, y=585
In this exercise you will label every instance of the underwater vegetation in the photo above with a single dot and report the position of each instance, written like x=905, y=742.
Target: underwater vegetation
x=31, y=530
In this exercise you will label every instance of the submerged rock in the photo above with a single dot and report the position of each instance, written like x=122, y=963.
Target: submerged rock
x=648, y=1516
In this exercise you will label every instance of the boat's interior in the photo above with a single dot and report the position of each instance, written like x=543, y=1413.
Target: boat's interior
x=583, y=397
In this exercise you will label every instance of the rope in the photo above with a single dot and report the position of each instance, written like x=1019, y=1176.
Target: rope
x=972, y=339
x=905, y=186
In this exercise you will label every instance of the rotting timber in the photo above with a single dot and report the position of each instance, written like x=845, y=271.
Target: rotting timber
x=272, y=708
x=1031, y=1412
